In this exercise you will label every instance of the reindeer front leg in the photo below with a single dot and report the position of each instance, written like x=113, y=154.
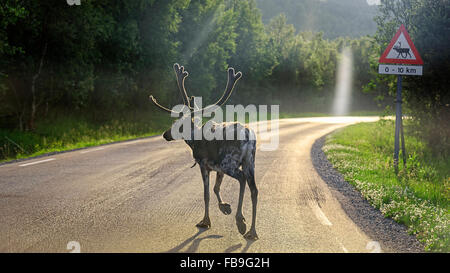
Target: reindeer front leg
x=225, y=208
x=206, y=222
x=240, y=220
x=234, y=172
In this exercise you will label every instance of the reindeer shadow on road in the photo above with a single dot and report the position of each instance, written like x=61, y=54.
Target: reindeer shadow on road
x=238, y=246
x=194, y=242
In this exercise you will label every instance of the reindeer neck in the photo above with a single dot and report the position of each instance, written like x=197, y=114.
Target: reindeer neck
x=191, y=142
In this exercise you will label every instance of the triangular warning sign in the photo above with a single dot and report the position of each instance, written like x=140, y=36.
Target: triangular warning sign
x=401, y=50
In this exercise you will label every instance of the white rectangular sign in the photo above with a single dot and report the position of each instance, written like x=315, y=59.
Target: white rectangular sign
x=394, y=69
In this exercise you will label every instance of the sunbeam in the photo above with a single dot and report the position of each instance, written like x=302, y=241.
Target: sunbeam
x=342, y=97
x=202, y=35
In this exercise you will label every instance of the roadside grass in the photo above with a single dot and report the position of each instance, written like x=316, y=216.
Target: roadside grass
x=71, y=132
x=418, y=197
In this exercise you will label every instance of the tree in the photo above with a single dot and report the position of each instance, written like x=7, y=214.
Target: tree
x=208, y=40
x=427, y=97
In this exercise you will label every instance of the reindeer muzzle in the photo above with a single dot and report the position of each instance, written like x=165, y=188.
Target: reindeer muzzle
x=168, y=136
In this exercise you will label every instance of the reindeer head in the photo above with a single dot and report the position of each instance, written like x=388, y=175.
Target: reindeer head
x=181, y=75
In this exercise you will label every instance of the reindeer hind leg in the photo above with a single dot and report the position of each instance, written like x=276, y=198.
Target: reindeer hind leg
x=230, y=165
x=231, y=168
x=251, y=234
x=249, y=172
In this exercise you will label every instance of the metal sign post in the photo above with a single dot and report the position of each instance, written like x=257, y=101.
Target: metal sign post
x=399, y=125
x=403, y=59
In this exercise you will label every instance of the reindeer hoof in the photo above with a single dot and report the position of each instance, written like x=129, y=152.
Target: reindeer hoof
x=242, y=227
x=225, y=208
x=251, y=235
x=205, y=223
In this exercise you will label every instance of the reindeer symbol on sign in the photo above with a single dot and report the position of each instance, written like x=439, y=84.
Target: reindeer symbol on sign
x=404, y=52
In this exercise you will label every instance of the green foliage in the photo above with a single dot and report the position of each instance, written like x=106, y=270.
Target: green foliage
x=305, y=72
x=206, y=55
x=418, y=197
x=336, y=18
x=10, y=12
x=427, y=97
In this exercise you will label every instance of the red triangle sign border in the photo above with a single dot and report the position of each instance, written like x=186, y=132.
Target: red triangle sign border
x=418, y=59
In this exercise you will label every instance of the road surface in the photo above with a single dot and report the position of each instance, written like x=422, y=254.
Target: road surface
x=142, y=196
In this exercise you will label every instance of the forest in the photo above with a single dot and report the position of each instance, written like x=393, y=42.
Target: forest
x=335, y=18
x=95, y=64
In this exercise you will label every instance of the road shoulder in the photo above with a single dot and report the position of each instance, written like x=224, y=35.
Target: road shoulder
x=393, y=237
x=75, y=149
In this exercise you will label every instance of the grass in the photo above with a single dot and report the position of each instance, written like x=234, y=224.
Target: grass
x=417, y=197
x=71, y=132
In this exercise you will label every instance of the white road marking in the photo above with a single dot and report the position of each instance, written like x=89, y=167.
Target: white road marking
x=319, y=214
x=93, y=150
x=343, y=248
x=131, y=142
x=37, y=162
x=374, y=246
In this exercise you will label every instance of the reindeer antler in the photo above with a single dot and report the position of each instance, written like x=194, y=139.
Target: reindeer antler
x=192, y=99
x=232, y=79
x=181, y=75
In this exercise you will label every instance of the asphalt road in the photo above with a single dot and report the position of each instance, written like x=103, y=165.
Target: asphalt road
x=142, y=196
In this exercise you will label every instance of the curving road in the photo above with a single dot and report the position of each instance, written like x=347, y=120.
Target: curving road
x=142, y=196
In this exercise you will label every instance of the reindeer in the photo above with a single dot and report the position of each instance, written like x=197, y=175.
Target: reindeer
x=404, y=52
x=235, y=158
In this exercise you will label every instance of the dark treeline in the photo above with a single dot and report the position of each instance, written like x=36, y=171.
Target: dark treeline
x=104, y=58
x=107, y=56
